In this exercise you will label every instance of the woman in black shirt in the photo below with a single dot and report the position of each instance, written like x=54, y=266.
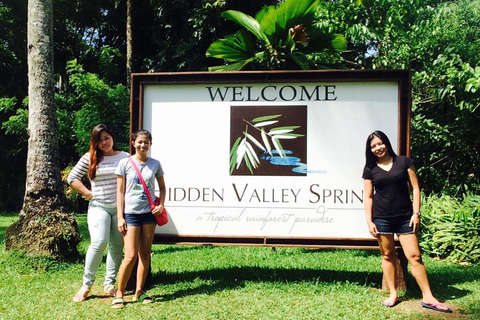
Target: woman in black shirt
x=389, y=210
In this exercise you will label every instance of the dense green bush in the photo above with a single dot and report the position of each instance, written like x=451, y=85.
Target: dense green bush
x=451, y=228
x=93, y=101
x=76, y=203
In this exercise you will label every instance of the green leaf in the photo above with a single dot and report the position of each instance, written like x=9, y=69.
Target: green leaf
x=278, y=146
x=265, y=141
x=319, y=40
x=247, y=163
x=277, y=21
x=247, y=22
x=233, y=48
x=255, y=141
x=266, y=118
x=230, y=67
x=287, y=136
x=284, y=128
x=301, y=60
x=265, y=123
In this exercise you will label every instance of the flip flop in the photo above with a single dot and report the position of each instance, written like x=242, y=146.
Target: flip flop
x=143, y=298
x=390, y=303
x=435, y=307
x=118, y=303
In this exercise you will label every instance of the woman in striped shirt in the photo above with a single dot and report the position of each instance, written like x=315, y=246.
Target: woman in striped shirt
x=99, y=165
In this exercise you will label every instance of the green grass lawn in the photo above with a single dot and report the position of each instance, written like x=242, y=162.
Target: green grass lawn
x=205, y=282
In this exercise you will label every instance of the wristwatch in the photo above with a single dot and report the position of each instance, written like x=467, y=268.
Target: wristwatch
x=417, y=213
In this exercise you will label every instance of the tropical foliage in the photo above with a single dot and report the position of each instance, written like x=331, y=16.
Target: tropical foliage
x=451, y=228
x=436, y=39
x=285, y=35
x=439, y=42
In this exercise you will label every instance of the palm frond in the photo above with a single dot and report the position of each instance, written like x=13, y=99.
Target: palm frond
x=247, y=22
x=230, y=67
x=238, y=46
x=301, y=60
x=263, y=12
x=319, y=40
x=276, y=22
x=339, y=43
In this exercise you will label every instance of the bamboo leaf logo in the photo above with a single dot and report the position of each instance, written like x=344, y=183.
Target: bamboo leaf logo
x=243, y=150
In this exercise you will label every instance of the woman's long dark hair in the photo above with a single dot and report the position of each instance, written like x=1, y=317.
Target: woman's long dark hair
x=96, y=155
x=370, y=157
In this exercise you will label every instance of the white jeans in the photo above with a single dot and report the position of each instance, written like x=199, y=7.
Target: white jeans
x=102, y=226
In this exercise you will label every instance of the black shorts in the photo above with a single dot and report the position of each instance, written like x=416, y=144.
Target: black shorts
x=398, y=225
x=139, y=219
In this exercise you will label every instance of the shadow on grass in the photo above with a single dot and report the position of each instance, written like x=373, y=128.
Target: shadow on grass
x=159, y=249
x=230, y=278
x=237, y=277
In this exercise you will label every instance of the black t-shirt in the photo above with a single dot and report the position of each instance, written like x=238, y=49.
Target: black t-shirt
x=391, y=196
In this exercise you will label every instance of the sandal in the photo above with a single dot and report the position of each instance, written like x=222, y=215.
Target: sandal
x=390, y=303
x=143, y=298
x=435, y=307
x=109, y=289
x=118, y=303
x=82, y=294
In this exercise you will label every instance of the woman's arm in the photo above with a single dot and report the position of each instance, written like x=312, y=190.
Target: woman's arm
x=368, y=205
x=76, y=174
x=416, y=196
x=121, y=223
x=80, y=188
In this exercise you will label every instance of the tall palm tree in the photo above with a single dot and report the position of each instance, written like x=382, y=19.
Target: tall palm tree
x=285, y=35
x=43, y=227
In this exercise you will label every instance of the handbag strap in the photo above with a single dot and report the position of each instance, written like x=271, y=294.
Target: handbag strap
x=142, y=181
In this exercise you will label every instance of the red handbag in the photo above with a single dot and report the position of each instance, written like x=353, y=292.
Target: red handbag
x=162, y=219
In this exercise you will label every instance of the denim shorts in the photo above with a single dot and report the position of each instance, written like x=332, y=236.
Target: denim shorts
x=140, y=219
x=398, y=225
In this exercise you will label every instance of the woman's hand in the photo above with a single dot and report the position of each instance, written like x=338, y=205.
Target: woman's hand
x=88, y=196
x=122, y=226
x=415, y=222
x=372, y=228
x=158, y=210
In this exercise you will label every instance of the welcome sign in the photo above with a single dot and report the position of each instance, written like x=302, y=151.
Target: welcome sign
x=268, y=157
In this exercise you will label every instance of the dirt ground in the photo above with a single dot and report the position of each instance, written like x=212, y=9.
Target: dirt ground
x=414, y=306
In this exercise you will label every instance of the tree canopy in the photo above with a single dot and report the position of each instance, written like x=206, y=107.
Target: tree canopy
x=285, y=35
x=437, y=39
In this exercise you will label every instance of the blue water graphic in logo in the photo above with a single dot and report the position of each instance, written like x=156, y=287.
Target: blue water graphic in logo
x=286, y=160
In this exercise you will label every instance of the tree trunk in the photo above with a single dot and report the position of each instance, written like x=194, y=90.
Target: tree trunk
x=43, y=227
x=129, y=42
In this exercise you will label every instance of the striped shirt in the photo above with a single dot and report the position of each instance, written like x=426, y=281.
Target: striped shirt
x=104, y=187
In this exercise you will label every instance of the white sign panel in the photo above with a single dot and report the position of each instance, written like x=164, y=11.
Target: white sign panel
x=273, y=159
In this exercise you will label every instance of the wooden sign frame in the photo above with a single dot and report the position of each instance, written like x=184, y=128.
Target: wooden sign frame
x=143, y=84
